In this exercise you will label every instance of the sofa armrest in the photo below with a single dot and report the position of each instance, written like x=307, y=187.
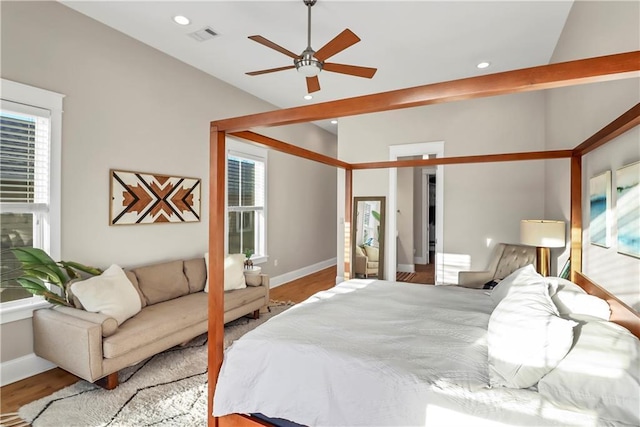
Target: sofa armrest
x=108, y=324
x=73, y=344
x=474, y=279
x=265, y=283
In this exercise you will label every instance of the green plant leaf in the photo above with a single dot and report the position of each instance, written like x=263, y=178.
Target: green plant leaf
x=30, y=257
x=43, y=272
x=80, y=267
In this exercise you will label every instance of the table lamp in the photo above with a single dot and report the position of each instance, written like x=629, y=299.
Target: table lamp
x=543, y=234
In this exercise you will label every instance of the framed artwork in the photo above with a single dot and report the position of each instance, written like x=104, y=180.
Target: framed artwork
x=628, y=209
x=600, y=209
x=146, y=198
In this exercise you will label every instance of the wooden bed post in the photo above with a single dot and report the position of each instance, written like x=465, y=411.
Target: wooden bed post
x=576, y=215
x=217, y=192
x=348, y=213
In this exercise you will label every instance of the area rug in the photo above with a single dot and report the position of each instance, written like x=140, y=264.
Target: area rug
x=168, y=389
x=402, y=276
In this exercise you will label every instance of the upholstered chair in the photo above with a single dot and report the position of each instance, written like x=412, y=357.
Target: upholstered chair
x=506, y=259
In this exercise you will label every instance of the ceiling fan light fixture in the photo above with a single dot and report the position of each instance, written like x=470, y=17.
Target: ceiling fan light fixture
x=307, y=64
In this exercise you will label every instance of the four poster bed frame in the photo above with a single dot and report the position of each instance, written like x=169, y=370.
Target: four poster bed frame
x=592, y=70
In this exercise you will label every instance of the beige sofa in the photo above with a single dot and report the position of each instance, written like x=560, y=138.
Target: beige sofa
x=174, y=311
x=366, y=261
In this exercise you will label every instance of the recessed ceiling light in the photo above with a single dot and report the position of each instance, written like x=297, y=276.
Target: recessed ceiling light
x=483, y=64
x=308, y=97
x=334, y=122
x=182, y=20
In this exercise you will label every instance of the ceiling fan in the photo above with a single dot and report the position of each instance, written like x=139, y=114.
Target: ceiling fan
x=310, y=63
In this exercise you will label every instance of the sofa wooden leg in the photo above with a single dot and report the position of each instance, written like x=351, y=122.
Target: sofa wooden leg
x=109, y=382
x=256, y=314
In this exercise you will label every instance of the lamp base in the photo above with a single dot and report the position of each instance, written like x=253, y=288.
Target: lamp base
x=543, y=261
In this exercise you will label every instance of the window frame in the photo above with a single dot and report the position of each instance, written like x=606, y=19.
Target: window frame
x=47, y=100
x=252, y=152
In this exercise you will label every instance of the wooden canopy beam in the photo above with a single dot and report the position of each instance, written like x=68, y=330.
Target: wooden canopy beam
x=628, y=120
x=488, y=158
x=591, y=70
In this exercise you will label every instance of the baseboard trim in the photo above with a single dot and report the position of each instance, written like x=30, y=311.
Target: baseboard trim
x=22, y=367
x=407, y=268
x=276, y=281
x=419, y=260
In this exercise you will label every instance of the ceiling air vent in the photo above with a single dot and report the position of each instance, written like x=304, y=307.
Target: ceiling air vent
x=204, y=34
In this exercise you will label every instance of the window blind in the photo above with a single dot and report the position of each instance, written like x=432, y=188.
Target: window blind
x=24, y=157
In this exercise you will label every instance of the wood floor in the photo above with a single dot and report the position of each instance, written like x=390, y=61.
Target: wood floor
x=15, y=395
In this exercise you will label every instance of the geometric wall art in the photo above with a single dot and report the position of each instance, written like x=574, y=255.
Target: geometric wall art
x=628, y=209
x=146, y=198
x=600, y=209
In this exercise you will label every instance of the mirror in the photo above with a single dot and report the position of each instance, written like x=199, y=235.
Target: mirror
x=367, y=237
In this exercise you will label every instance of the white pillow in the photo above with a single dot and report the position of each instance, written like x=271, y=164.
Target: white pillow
x=601, y=373
x=572, y=299
x=110, y=293
x=233, y=272
x=526, y=338
x=523, y=276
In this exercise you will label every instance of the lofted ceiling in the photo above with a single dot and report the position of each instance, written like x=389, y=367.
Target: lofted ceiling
x=411, y=43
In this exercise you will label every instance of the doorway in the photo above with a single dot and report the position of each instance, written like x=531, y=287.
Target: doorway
x=434, y=235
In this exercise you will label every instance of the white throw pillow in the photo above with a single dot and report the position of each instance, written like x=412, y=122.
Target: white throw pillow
x=601, y=373
x=372, y=253
x=572, y=299
x=233, y=272
x=526, y=338
x=523, y=276
x=110, y=293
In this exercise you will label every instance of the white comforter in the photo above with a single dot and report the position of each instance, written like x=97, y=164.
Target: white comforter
x=378, y=353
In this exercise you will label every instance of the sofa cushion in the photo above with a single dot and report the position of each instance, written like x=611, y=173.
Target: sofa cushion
x=360, y=251
x=110, y=293
x=134, y=281
x=162, y=282
x=196, y=272
x=155, y=322
x=240, y=297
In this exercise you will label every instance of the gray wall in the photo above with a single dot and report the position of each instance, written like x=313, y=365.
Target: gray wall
x=483, y=203
x=131, y=107
x=574, y=114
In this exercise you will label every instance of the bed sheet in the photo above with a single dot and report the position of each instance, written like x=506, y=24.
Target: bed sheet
x=370, y=352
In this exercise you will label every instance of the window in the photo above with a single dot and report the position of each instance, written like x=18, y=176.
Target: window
x=246, y=190
x=30, y=121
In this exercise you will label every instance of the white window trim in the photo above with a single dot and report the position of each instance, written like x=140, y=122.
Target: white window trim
x=237, y=148
x=23, y=94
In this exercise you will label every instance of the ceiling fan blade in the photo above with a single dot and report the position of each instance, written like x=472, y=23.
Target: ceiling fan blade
x=272, y=45
x=338, y=44
x=352, y=70
x=270, y=70
x=313, y=84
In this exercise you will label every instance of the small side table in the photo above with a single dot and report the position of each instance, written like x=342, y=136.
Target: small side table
x=252, y=276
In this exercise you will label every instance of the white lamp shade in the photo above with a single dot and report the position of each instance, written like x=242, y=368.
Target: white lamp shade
x=542, y=233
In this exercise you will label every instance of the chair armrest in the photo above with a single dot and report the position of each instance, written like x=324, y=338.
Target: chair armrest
x=474, y=279
x=108, y=324
x=361, y=264
x=73, y=344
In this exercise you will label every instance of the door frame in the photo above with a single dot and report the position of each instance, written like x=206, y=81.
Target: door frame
x=424, y=149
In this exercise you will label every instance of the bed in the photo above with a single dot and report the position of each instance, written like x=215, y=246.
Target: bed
x=510, y=406
x=371, y=352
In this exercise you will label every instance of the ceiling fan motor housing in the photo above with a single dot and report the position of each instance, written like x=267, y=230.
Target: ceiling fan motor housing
x=307, y=64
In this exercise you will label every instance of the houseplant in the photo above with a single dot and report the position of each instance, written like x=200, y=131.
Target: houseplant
x=37, y=269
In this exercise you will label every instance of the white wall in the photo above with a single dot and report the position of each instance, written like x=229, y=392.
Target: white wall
x=131, y=107
x=483, y=203
x=573, y=114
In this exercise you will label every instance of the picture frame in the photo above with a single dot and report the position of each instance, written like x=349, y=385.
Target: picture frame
x=148, y=198
x=600, y=210
x=628, y=209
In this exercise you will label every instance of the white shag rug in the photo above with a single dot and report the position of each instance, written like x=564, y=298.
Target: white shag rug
x=168, y=389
